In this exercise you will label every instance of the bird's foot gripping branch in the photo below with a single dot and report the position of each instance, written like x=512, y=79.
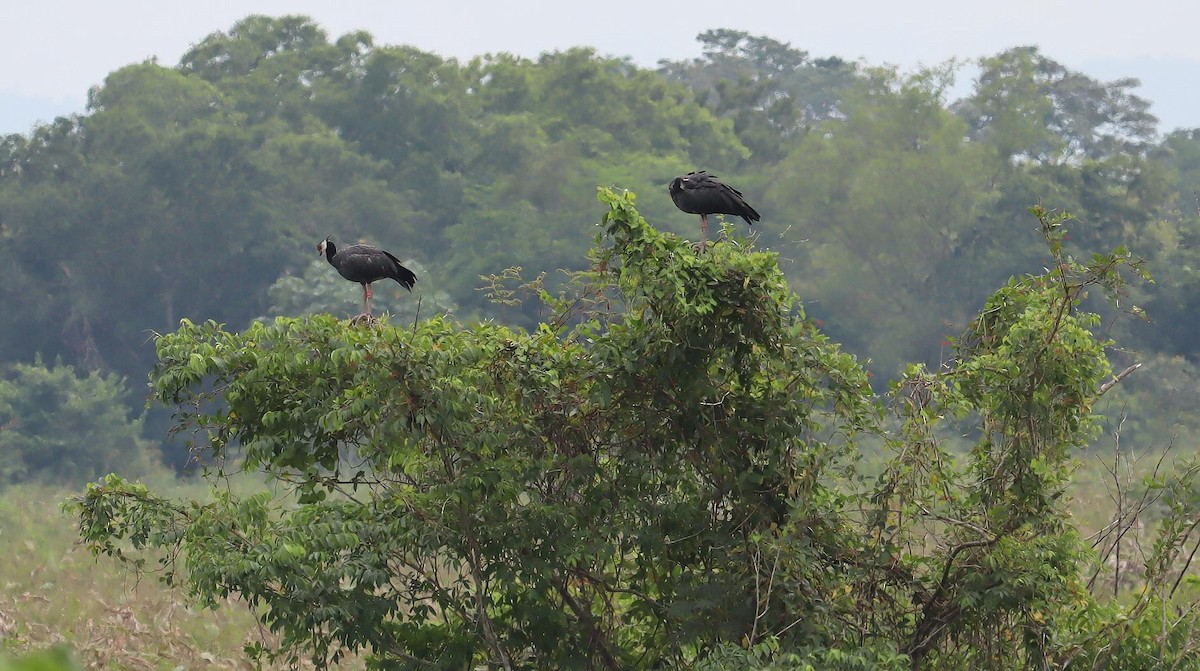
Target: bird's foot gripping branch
x=670, y=483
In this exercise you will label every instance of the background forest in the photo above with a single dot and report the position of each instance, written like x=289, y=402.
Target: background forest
x=199, y=191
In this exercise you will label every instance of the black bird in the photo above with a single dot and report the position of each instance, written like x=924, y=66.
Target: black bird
x=365, y=264
x=703, y=194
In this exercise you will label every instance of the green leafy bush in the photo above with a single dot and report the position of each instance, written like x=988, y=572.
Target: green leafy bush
x=58, y=426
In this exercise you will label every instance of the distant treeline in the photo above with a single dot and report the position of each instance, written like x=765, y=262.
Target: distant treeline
x=188, y=191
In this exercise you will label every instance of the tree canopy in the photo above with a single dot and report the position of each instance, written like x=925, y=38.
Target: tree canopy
x=666, y=473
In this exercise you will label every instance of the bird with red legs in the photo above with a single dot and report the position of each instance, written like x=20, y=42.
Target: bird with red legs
x=703, y=194
x=366, y=264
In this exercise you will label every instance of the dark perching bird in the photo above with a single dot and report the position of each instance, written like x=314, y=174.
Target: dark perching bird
x=365, y=264
x=703, y=194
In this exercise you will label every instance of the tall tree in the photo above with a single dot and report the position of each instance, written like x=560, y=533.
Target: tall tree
x=1030, y=107
x=40, y=208
x=772, y=91
x=883, y=201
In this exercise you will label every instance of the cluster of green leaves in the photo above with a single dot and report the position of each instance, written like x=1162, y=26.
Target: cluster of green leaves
x=1007, y=560
x=673, y=481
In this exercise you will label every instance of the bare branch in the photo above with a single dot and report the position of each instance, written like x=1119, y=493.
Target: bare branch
x=1117, y=378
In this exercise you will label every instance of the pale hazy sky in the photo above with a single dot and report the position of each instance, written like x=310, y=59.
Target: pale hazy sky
x=52, y=51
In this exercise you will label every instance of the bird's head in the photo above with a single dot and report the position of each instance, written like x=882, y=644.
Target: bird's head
x=687, y=181
x=323, y=245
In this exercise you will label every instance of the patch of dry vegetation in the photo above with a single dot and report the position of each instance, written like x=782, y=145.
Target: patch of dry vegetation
x=53, y=591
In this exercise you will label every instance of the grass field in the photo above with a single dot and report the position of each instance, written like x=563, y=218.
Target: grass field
x=54, y=591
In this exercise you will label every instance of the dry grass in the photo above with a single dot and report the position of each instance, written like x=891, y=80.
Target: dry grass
x=53, y=591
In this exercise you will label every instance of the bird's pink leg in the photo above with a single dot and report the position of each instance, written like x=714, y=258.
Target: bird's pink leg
x=703, y=230
x=366, y=299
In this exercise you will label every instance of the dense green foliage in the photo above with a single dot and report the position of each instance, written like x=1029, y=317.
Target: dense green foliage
x=673, y=481
x=56, y=426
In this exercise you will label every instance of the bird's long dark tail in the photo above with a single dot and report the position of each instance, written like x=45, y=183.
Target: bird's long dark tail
x=405, y=277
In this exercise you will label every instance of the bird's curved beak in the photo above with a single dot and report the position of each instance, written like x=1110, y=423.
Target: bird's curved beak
x=321, y=248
